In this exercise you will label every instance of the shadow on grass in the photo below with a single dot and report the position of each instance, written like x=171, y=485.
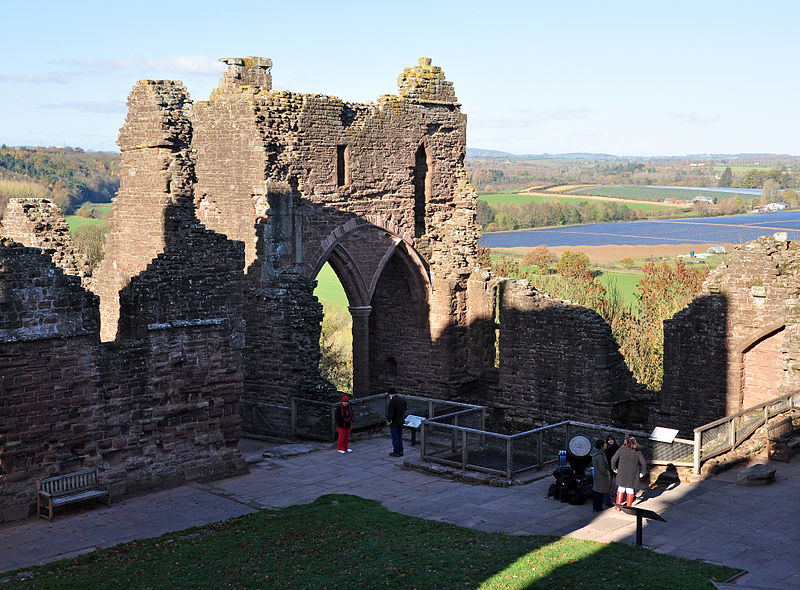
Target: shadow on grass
x=343, y=541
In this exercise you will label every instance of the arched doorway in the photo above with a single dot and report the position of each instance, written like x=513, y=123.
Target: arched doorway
x=336, y=335
x=370, y=260
x=761, y=361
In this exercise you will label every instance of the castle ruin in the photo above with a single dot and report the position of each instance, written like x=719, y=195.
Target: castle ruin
x=228, y=209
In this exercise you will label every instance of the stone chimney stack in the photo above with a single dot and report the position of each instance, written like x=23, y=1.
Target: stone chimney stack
x=247, y=71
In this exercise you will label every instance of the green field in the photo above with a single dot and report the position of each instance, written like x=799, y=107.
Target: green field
x=744, y=168
x=341, y=541
x=329, y=290
x=652, y=194
x=517, y=199
x=76, y=221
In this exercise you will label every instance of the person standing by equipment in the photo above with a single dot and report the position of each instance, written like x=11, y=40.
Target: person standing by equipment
x=395, y=416
x=630, y=466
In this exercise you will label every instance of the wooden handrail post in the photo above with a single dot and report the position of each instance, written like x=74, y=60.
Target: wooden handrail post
x=698, y=437
x=422, y=445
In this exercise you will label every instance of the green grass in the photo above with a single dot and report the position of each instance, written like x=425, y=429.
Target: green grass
x=516, y=199
x=329, y=290
x=76, y=221
x=652, y=194
x=348, y=542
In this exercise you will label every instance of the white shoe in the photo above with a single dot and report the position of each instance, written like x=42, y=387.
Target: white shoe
x=349, y=450
x=342, y=452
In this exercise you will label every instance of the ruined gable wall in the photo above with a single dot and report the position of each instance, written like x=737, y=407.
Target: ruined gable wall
x=155, y=171
x=557, y=361
x=745, y=302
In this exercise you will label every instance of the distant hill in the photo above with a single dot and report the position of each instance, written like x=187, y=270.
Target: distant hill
x=71, y=175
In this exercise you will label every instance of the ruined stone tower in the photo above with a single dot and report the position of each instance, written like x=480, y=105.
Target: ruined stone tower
x=377, y=190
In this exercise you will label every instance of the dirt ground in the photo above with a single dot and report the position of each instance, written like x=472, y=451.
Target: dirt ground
x=612, y=253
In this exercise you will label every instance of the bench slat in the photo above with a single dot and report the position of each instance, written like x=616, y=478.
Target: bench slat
x=58, y=500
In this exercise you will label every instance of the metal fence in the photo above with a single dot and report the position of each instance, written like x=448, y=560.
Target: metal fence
x=457, y=440
x=316, y=419
x=727, y=433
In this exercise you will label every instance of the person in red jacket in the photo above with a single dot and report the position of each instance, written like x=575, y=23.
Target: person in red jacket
x=344, y=420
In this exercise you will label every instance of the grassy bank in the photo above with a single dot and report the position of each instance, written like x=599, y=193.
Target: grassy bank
x=348, y=542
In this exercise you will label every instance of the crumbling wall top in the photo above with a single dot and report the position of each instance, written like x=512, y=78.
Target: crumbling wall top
x=426, y=84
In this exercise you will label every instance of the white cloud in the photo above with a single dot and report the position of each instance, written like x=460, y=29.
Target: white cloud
x=180, y=64
x=694, y=118
x=88, y=106
x=51, y=78
x=529, y=118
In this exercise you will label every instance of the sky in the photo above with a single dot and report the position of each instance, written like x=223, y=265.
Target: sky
x=625, y=78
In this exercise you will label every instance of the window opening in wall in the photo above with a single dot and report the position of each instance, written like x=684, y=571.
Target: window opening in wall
x=420, y=190
x=336, y=335
x=342, y=165
x=389, y=370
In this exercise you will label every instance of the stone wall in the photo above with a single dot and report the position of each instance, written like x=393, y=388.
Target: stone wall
x=738, y=343
x=155, y=172
x=159, y=406
x=559, y=362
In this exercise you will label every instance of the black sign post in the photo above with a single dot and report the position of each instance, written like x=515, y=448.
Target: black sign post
x=641, y=513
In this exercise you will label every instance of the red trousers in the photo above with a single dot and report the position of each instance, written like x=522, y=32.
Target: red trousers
x=344, y=439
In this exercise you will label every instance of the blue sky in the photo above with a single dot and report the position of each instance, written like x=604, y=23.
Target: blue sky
x=627, y=78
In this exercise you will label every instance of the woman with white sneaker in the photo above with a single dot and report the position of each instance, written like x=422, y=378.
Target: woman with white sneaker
x=344, y=420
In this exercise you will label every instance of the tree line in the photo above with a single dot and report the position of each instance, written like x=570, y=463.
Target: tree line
x=508, y=217
x=69, y=176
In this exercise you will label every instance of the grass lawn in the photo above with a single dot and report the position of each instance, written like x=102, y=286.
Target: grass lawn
x=76, y=221
x=348, y=542
x=658, y=194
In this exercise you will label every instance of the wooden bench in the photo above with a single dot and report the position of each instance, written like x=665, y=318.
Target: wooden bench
x=781, y=436
x=68, y=488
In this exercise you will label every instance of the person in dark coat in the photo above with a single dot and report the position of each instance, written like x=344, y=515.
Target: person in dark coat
x=611, y=448
x=395, y=416
x=630, y=466
x=344, y=420
x=601, y=475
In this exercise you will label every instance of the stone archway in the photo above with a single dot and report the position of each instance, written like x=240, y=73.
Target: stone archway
x=359, y=255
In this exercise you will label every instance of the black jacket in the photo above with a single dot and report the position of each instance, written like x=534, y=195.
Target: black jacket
x=396, y=413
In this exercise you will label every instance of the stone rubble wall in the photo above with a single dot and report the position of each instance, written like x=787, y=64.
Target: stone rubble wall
x=720, y=352
x=159, y=406
x=38, y=223
x=558, y=361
